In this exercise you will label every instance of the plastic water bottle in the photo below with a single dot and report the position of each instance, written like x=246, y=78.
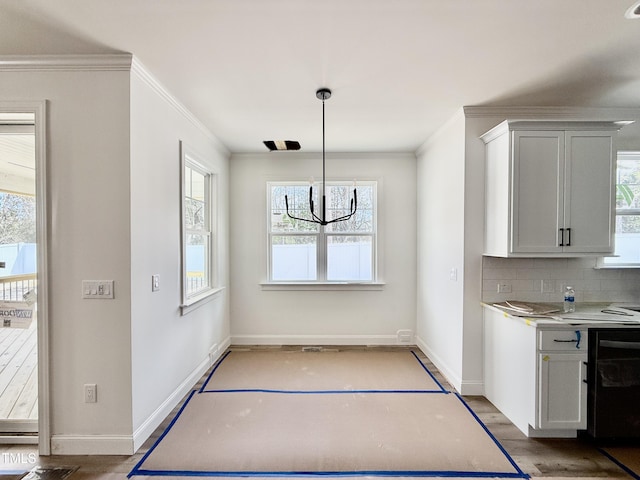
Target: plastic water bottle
x=569, y=299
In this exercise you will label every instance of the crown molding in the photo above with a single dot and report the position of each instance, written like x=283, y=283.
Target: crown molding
x=553, y=112
x=38, y=63
x=138, y=69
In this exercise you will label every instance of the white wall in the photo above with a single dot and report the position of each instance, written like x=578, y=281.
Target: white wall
x=169, y=351
x=113, y=206
x=88, y=178
x=441, y=234
x=321, y=316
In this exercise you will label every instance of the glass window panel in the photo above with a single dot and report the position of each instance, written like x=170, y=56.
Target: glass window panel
x=627, y=239
x=197, y=261
x=198, y=189
x=349, y=258
x=340, y=202
x=298, y=198
x=293, y=258
x=195, y=214
x=627, y=207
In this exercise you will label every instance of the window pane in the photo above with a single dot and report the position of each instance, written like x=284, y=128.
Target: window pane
x=298, y=198
x=194, y=214
x=627, y=240
x=627, y=206
x=349, y=258
x=339, y=204
x=197, y=185
x=628, y=184
x=197, y=261
x=293, y=257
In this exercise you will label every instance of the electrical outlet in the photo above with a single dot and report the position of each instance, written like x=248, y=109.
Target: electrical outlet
x=504, y=288
x=90, y=393
x=155, y=283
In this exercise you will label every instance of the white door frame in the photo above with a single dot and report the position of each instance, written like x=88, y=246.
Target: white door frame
x=39, y=111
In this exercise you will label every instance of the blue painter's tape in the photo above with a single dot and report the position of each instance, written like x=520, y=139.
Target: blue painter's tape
x=428, y=371
x=164, y=434
x=495, y=440
x=214, y=371
x=307, y=392
x=360, y=473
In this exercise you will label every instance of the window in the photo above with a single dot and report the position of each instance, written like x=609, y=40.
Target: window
x=198, y=185
x=627, y=213
x=342, y=252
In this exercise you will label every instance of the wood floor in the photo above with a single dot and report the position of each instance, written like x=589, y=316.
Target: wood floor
x=19, y=373
x=540, y=458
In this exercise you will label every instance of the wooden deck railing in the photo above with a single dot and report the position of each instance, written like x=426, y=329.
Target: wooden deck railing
x=15, y=286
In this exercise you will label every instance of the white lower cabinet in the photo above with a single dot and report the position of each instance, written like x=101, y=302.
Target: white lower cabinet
x=535, y=376
x=562, y=391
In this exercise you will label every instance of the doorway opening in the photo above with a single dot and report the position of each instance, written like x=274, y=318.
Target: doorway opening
x=18, y=277
x=24, y=399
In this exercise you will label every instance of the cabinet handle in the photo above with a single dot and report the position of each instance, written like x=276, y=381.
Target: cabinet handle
x=569, y=234
x=561, y=237
x=575, y=340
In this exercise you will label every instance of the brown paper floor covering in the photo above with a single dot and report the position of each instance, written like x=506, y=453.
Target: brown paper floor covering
x=627, y=457
x=325, y=414
x=324, y=370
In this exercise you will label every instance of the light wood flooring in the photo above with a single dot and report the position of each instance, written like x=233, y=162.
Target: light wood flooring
x=540, y=458
x=19, y=373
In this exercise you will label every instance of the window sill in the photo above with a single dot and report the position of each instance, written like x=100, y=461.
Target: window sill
x=600, y=264
x=200, y=300
x=326, y=286
x=613, y=266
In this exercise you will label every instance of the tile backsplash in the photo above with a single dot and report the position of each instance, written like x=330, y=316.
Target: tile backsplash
x=544, y=280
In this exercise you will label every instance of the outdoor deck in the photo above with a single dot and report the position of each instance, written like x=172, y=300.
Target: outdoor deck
x=18, y=374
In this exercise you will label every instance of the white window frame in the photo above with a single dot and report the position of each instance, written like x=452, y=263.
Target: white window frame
x=190, y=159
x=321, y=234
x=614, y=262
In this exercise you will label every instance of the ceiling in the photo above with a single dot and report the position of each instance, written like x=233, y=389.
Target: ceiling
x=249, y=69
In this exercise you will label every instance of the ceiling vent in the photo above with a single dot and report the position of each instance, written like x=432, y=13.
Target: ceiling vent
x=281, y=145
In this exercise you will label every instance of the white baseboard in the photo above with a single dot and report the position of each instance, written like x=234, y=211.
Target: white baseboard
x=472, y=388
x=144, y=431
x=462, y=387
x=453, y=378
x=91, y=445
x=315, y=340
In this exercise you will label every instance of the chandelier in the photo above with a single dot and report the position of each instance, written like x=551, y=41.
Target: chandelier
x=324, y=94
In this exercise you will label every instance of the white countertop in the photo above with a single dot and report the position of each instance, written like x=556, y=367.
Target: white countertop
x=588, y=314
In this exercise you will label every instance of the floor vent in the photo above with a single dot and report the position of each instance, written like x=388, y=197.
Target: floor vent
x=53, y=473
x=312, y=349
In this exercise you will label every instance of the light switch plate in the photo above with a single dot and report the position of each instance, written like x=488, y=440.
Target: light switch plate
x=97, y=289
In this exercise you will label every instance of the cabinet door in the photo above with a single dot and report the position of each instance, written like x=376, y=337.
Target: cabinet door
x=537, y=191
x=562, y=392
x=589, y=192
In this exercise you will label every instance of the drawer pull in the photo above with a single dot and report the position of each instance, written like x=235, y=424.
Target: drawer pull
x=575, y=340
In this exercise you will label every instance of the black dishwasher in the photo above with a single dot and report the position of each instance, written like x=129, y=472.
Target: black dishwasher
x=613, y=377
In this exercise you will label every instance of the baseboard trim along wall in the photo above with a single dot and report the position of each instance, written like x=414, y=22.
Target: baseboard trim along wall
x=315, y=340
x=144, y=431
x=450, y=375
x=91, y=444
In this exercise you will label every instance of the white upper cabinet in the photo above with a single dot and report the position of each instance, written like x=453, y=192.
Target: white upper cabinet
x=550, y=188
